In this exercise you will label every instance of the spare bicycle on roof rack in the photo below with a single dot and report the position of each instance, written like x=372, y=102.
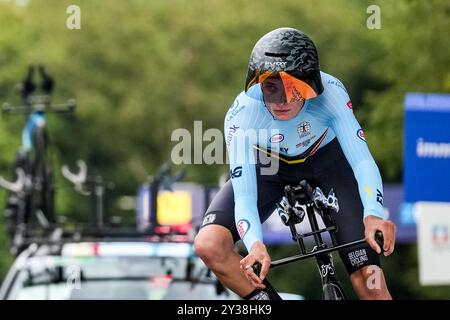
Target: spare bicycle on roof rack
x=30, y=200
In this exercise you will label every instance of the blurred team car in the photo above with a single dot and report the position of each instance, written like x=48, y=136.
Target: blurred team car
x=155, y=262
x=112, y=270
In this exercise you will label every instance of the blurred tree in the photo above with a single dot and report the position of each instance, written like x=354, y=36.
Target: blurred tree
x=415, y=59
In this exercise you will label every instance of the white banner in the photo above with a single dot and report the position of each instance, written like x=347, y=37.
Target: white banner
x=433, y=231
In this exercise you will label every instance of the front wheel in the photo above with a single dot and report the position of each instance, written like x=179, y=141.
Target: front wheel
x=332, y=291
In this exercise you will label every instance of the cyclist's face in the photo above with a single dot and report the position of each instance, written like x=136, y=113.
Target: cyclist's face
x=284, y=111
x=274, y=91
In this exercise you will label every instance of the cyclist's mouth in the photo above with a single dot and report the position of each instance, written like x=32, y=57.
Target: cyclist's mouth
x=281, y=112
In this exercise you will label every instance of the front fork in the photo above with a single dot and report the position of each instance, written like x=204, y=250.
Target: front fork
x=331, y=289
x=330, y=285
x=326, y=267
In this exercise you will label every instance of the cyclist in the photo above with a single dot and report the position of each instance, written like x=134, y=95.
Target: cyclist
x=316, y=137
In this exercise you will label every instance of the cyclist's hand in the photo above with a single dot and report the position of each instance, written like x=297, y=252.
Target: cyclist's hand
x=258, y=253
x=373, y=224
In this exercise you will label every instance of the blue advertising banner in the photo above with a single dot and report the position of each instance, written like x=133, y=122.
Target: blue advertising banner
x=427, y=147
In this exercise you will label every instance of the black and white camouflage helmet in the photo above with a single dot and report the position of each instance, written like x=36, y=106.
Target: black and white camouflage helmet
x=289, y=50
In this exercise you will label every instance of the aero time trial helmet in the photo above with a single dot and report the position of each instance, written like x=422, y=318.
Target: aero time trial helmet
x=290, y=56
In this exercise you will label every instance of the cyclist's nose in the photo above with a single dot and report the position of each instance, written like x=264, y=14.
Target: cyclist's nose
x=281, y=105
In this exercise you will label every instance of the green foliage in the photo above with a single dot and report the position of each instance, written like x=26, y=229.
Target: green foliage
x=415, y=58
x=140, y=69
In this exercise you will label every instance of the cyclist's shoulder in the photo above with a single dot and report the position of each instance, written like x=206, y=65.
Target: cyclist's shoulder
x=333, y=97
x=245, y=105
x=332, y=84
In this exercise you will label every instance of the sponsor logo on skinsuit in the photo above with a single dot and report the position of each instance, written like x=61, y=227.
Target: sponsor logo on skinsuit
x=349, y=104
x=358, y=257
x=236, y=172
x=337, y=84
x=306, y=142
x=235, y=109
x=231, y=131
x=361, y=135
x=277, y=138
x=242, y=227
x=368, y=190
x=379, y=197
x=209, y=218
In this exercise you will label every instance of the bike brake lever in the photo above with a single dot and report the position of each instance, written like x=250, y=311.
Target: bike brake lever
x=379, y=239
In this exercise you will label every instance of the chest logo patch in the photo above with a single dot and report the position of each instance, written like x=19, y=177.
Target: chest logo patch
x=304, y=129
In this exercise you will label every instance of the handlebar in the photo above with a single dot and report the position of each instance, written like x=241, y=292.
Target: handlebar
x=379, y=239
x=36, y=97
x=40, y=105
x=257, y=266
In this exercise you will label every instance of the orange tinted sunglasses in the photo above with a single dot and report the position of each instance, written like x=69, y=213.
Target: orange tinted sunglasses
x=293, y=89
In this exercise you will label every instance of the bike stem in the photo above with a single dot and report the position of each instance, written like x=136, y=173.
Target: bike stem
x=314, y=225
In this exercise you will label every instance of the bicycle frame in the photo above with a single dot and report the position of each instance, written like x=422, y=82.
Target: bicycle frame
x=35, y=119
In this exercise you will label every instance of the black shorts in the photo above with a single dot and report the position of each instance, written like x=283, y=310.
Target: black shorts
x=326, y=169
